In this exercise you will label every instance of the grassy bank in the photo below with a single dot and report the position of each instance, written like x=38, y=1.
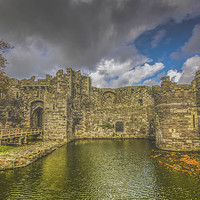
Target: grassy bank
x=6, y=148
x=15, y=157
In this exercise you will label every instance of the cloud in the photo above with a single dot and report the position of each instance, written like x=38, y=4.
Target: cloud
x=175, y=55
x=151, y=82
x=114, y=74
x=34, y=59
x=80, y=33
x=174, y=75
x=107, y=70
x=189, y=69
x=157, y=38
x=137, y=74
x=192, y=46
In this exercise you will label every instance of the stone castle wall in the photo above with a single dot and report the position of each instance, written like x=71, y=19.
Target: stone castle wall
x=124, y=112
x=67, y=107
x=176, y=116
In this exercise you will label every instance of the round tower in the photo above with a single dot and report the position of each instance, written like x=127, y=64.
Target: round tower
x=176, y=116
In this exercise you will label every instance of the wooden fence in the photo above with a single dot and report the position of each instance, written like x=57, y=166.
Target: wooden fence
x=6, y=134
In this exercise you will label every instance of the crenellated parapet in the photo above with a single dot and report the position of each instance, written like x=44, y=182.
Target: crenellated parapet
x=68, y=107
x=59, y=99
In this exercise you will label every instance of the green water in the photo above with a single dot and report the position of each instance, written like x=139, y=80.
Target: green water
x=98, y=169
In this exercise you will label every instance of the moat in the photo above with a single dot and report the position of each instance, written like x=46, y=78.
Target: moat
x=98, y=169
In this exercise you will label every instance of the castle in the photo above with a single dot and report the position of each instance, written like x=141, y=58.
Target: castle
x=67, y=107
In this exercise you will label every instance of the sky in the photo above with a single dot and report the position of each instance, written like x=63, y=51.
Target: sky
x=116, y=42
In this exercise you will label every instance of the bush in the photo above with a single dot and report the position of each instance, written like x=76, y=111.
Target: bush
x=107, y=125
x=5, y=148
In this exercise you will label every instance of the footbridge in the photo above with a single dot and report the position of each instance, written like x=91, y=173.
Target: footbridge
x=18, y=136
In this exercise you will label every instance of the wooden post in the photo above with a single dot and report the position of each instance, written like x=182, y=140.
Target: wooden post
x=21, y=132
x=8, y=133
x=25, y=140
x=19, y=141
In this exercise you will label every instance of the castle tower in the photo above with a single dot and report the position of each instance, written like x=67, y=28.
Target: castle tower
x=176, y=116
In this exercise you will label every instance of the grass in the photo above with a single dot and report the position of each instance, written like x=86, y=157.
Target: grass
x=5, y=148
x=107, y=125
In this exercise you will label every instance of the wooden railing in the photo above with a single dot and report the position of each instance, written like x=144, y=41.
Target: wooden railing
x=17, y=133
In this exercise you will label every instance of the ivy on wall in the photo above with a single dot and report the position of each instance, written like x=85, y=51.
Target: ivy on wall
x=106, y=125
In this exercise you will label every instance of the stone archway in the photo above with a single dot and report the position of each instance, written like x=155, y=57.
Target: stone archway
x=108, y=98
x=36, y=118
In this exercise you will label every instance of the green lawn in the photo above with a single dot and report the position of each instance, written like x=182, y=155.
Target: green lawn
x=5, y=148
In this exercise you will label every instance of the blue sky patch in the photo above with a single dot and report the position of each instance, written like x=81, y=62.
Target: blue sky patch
x=175, y=36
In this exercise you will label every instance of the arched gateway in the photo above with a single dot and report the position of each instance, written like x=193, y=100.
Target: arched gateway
x=36, y=115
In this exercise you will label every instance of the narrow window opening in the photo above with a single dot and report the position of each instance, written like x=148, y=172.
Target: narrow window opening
x=9, y=114
x=193, y=121
x=38, y=93
x=140, y=102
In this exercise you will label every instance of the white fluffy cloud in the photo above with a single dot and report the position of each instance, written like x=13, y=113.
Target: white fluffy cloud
x=114, y=74
x=151, y=82
x=111, y=73
x=107, y=70
x=174, y=75
x=189, y=69
x=136, y=75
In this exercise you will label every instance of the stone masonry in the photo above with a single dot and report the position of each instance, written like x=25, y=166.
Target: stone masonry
x=67, y=107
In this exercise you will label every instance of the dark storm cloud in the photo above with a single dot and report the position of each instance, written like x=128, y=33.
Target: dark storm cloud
x=81, y=33
x=76, y=28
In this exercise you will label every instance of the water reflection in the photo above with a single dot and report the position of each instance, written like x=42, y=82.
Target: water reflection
x=98, y=169
x=176, y=185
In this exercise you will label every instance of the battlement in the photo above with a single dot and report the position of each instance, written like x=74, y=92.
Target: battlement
x=177, y=117
x=68, y=107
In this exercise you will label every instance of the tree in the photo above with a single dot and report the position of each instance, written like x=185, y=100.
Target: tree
x=4, y=80
x=4, y=47
x=10, y=105
x=11, y=110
